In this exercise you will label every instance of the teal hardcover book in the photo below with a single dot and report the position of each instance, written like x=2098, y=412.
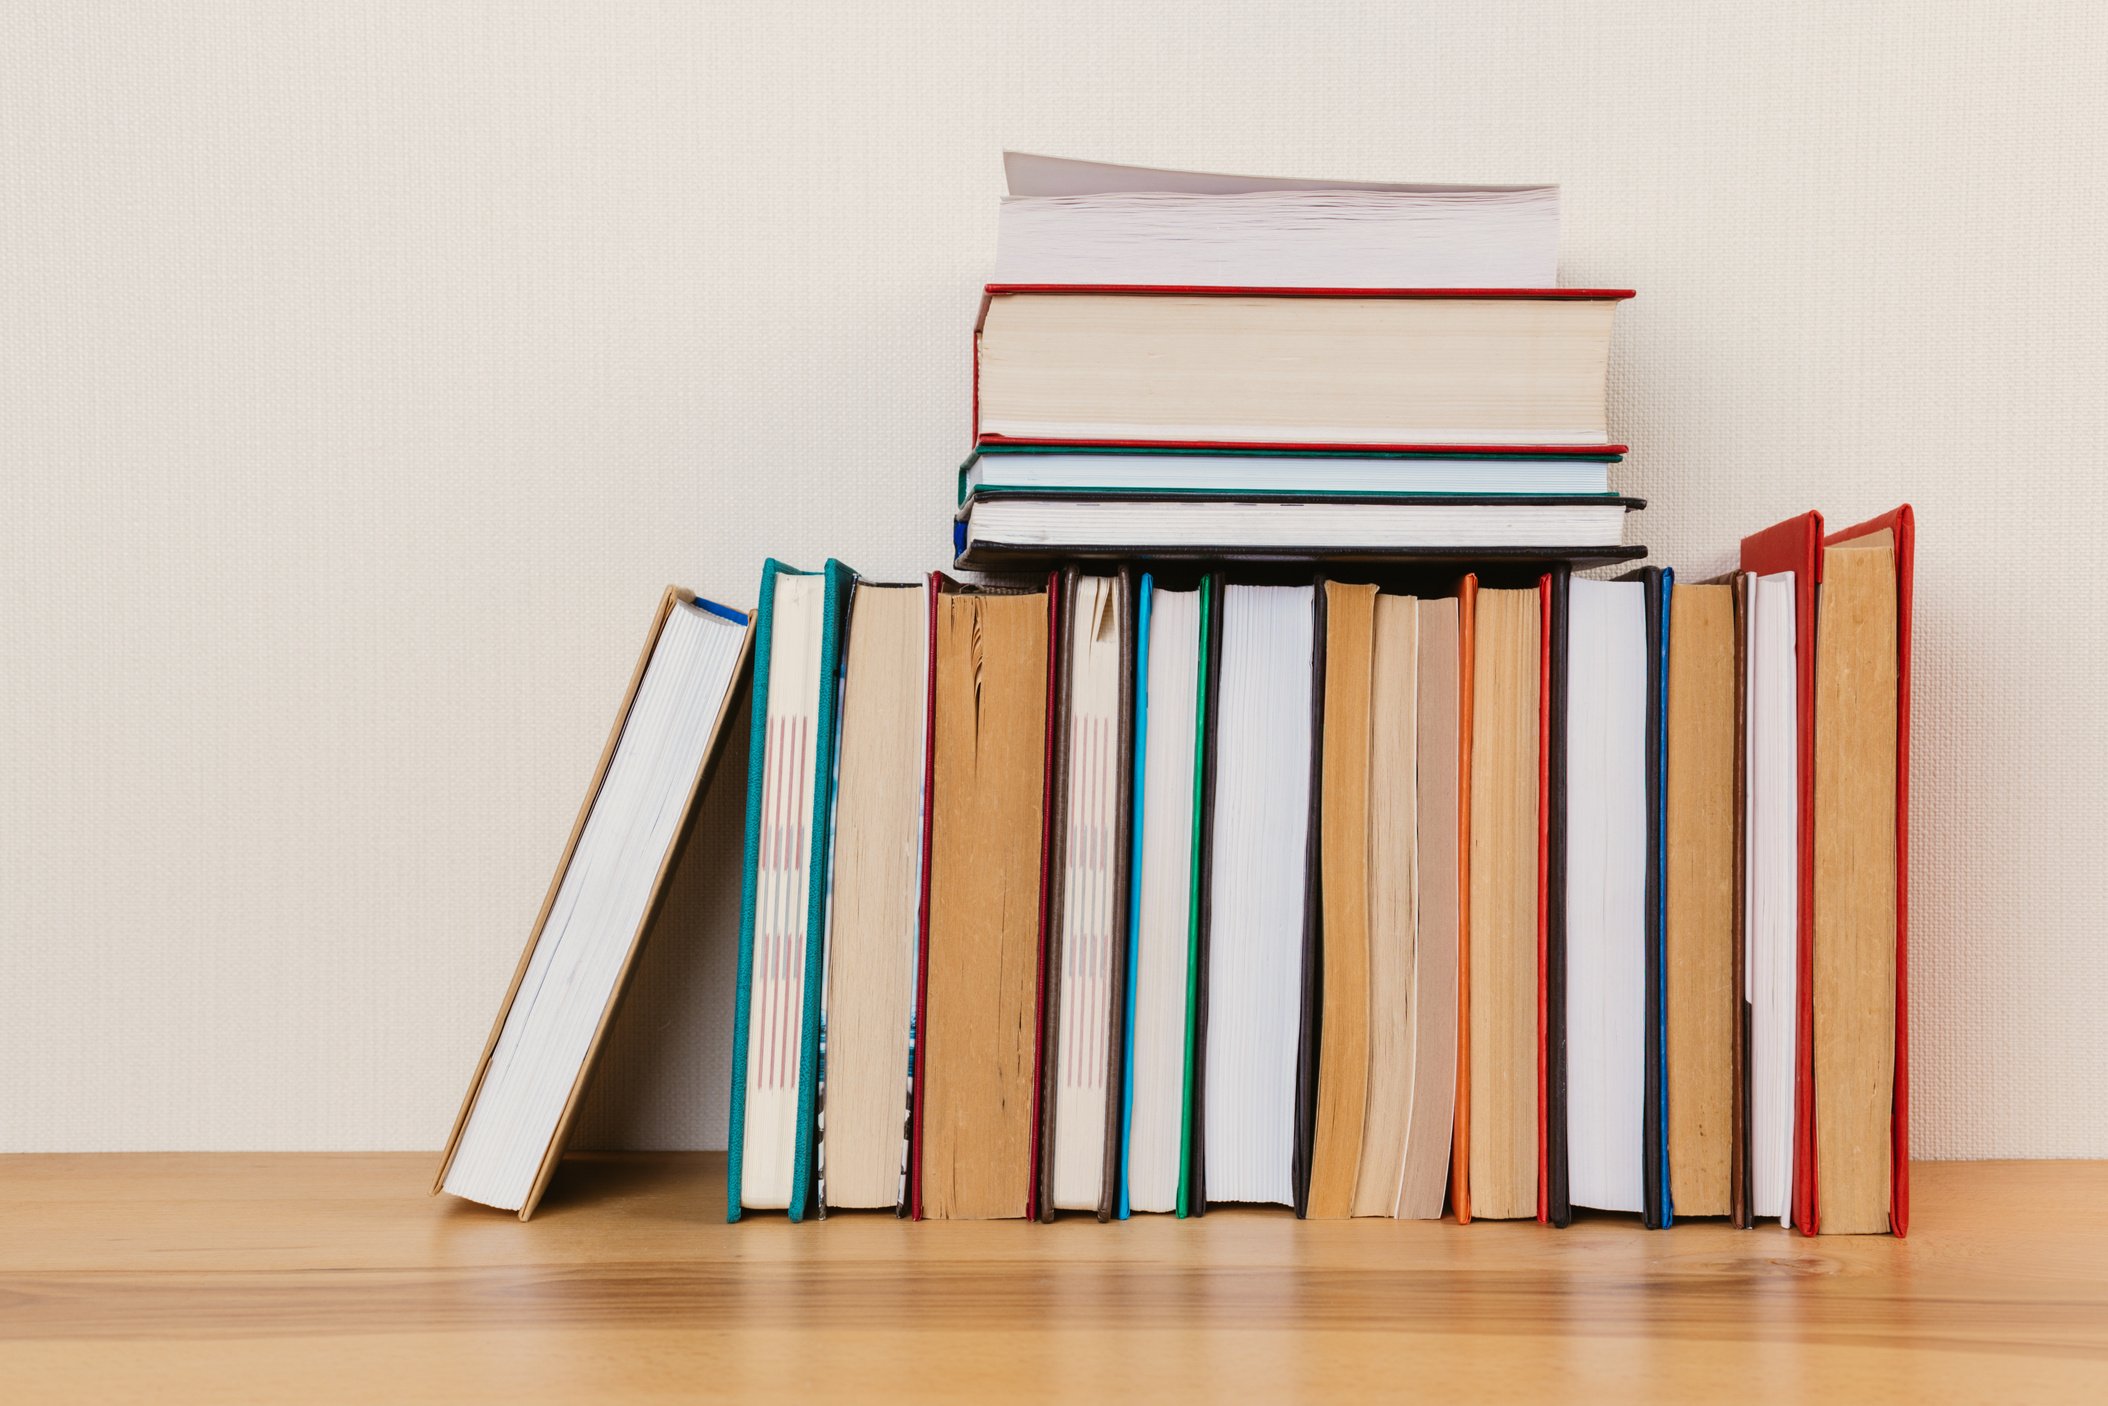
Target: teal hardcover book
x=783, y=894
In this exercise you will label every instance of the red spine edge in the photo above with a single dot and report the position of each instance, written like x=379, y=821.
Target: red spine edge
x=1233, y=290
x=922, y=916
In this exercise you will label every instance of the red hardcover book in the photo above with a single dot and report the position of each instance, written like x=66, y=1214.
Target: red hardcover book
x=1795, y=545
x=1901, y=524
x=996, y=290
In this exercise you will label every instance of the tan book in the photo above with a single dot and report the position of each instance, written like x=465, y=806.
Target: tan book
x=1343, y=1061
x=1231, y=367
x=1393, y=1010
x=1701, y=897
x=873, y=918
x=1431, y=1012
x=1856, y=719
x=980, y=1023
x=1504, y=904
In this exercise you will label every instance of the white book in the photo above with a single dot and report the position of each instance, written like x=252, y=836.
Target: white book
x=1167, y=717
x=782, y=894
x=1257, y=894
x=1320, y=523
x=1771, y=920
x=1606, y=893
x=1092, y=921
x=512, y=1127
x=1285, y=474
x=1084, y=222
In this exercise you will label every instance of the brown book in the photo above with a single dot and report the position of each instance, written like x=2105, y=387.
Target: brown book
x=1431, y=1013
x=1700, y=934
x=1343, y=1064
x=1856, y=667
x=980, y=1030
x=1504, y=904
x=872, y=919
x=1393, y=856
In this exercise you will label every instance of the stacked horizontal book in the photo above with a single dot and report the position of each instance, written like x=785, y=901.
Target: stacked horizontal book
x=1272, y=371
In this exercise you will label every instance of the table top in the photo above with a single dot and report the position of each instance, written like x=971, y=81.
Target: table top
x=325, y=1277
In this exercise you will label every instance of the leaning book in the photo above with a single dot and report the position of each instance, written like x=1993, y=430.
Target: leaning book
x=609, y=884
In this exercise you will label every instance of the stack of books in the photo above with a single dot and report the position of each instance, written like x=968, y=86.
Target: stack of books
x=1359, y=874
x=1202, y=367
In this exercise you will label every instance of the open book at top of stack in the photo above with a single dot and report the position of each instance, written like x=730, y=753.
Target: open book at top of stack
x=1179, y=366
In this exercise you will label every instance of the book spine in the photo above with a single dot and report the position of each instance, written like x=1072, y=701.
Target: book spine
x=1134, y=888
x=743, y=985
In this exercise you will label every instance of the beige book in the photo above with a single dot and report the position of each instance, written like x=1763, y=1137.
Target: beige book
x=872, y=932
x=1432, y=1010
x=1699, y=941
x=1856, y=663
x=1384, y=370
x=988, y=776
x=1343, y=1062
x=1392, y=854
x=1504, y=821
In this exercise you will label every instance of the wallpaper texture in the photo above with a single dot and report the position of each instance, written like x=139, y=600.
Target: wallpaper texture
x=367, y=369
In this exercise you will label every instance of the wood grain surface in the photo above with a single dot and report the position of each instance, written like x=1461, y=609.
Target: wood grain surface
x=238, y=1277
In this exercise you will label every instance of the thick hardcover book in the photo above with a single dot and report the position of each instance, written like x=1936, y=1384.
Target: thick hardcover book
x=1342, y=972
x=1699, y=891
x=1433, y=1009
x=1741, y=1208
x=1506, y=903
x=1555, y=1204
x=1311, y=1025
x=1090, y=833
x=1007, y=528
x=1795, y=545
x=1901, y=523
x=1467, y=652
x=1193, y=1199
x=790, y=781
x=1258, y=1034
x=690, y=793
x=867, y=1018
x=975, y=1153
x=1654, y=1119
x=1862, y=1083
x=1363, y=368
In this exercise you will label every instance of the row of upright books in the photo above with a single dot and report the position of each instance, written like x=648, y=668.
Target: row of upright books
x=1140, y=891
x=1293, y=823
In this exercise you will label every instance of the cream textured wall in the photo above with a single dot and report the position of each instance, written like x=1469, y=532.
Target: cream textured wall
x=366, y=368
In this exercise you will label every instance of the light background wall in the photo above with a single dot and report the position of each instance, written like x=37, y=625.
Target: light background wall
x=367, y=368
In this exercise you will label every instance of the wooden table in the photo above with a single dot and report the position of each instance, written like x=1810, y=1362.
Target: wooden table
x=292, y=1278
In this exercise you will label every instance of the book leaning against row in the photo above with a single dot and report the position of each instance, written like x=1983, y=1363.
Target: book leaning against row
x=610, y=882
